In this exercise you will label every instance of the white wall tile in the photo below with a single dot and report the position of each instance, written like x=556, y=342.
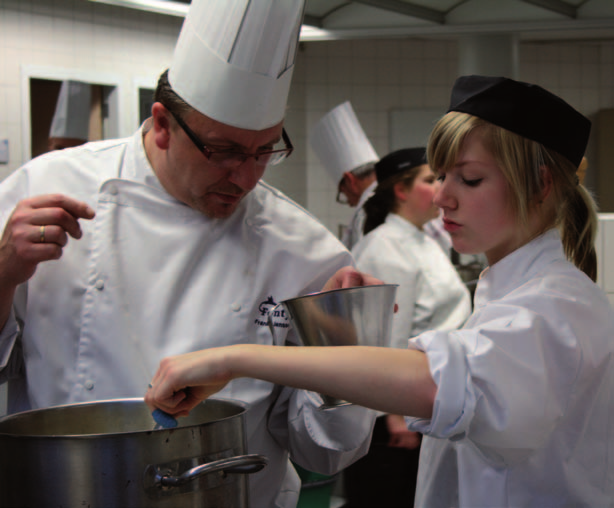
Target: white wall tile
x=413, y=97
x=364, y=96
x=436, y=72
x=387, y=97
x=338, y=94
x=388, y=71
x=339, y=70
x=362, y=49
x=570, y=77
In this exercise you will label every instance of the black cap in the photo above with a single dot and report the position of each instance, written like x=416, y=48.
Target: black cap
x=525, y=109
x=399, y=161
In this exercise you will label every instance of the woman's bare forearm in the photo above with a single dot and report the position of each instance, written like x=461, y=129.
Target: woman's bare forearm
x=390, y=380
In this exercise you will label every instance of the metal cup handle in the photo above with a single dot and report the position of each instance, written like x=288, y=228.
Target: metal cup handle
x=241, y=464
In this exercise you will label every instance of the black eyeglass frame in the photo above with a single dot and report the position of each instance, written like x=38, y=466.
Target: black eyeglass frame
x=341, y=198
x=202, y=147
x=341, y=195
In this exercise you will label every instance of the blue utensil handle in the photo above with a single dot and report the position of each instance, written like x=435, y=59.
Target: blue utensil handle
x=163, y=419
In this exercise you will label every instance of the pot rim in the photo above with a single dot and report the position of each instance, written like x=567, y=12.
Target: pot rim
x=28, y=413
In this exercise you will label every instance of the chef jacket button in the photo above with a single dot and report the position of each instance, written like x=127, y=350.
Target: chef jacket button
x=89, y=384
x=99, y=284
x=113, y=190
x=236, y=307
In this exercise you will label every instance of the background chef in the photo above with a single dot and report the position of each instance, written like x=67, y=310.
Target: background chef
x=118, y=253
x=71, y=119
x=349, y=158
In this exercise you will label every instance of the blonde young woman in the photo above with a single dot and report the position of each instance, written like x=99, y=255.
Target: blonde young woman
x=516, y=408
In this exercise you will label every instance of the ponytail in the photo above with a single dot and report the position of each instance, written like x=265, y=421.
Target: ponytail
x=378, y=206
x=578, y=225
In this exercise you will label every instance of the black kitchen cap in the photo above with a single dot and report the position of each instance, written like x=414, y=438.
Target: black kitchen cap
x=525, y=109
x=398, y=162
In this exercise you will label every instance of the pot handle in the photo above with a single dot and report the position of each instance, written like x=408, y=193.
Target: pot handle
x=241, y=464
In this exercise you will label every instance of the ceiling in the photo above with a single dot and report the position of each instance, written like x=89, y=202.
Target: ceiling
x=529, y=19
x=355, y=19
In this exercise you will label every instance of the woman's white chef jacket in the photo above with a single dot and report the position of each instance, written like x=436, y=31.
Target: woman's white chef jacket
x=431, y=294
x=524, y=412
x=152, y=277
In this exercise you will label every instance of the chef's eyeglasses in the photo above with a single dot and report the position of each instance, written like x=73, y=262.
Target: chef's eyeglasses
x=231, y=159
x=341, y=195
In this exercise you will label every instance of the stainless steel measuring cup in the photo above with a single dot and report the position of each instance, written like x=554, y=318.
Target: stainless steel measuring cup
x=342, y=317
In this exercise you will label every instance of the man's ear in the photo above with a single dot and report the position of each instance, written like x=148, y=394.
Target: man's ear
x=351, y=182
x=545, y=177
x=161, y=125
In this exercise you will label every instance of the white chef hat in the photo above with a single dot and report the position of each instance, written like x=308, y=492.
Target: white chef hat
x=340, y=143
x=72, y=111
x=234, y=59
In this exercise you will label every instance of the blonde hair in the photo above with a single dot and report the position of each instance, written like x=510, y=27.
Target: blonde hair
x=520, y=160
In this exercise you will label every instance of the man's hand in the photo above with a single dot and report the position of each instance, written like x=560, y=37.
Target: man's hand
x=37, y=231
x=349, y=277
x=400, y=435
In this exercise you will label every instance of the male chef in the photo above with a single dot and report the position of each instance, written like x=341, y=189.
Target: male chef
x=118, y=253
x=71, y=119
x=342, y=146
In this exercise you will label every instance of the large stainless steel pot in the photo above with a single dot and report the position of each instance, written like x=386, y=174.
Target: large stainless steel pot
x=107, y=455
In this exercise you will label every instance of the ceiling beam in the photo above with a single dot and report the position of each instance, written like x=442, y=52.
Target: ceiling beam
x=526, y=30
x=557, y=6
x=168, y=7
x=407, y=8
x=313, y=21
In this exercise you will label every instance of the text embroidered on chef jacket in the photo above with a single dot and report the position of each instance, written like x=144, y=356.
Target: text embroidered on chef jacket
x=278, y=314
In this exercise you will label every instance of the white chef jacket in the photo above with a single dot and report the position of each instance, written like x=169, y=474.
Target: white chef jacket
x=151, y=277
x=431, y=294
x=354, y=230
x=524, y=411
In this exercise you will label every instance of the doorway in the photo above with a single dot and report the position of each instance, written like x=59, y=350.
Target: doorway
x=44, y=95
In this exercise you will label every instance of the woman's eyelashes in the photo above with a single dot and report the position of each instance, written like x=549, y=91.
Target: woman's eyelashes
x=472, y=182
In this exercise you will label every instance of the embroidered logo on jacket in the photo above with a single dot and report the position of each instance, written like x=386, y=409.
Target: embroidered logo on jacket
x=278, y=317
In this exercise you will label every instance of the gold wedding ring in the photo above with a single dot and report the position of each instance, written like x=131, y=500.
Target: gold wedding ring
x=42, y=235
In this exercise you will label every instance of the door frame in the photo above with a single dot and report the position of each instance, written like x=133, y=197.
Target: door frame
x=114, y=127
